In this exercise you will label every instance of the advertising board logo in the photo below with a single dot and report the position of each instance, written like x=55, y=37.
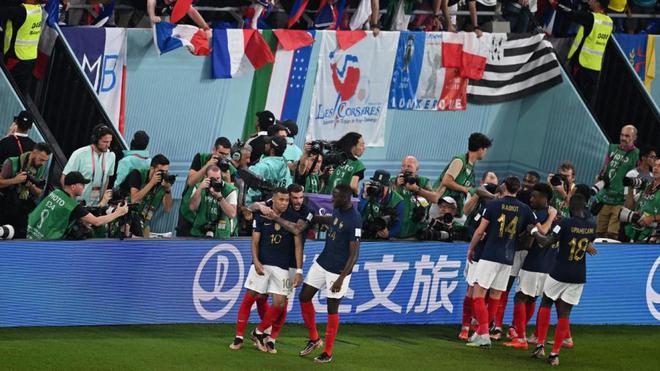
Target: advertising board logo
x=345, y=78
x=652, y=296
x=218, y=301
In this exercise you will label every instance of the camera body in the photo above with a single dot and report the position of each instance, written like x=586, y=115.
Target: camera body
x=442, y=229
x=37, y=182
x=629, y=216
x=386, y=219
x=409, y=178
x=636, y=182
x=169, y=178
x=216, y=185
x=373, y=188
x=317, y=147
x=209, y=230
x=223, y=164
x=558, y=179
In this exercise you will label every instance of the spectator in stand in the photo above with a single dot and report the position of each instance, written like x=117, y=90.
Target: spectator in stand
x=265, y=119
x=482, y=6
x=351, y=145
x=192, y=13
x=137, y=158
x=519, y=13
x=95, y=162
x=22, y=31
x=636, y=25
x=449, y=9
x=17, y=141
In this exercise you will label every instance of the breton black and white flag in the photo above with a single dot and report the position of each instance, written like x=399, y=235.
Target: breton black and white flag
x=518, y=65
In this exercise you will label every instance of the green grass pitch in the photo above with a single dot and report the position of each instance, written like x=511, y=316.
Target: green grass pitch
x=358, y=347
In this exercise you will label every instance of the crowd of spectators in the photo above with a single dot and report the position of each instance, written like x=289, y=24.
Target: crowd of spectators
x=226, y=186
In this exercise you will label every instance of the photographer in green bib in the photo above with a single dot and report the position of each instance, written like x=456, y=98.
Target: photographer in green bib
x=22, y=180
x=620, y=159
x=642, y=211
x=382, y=209
x=309, y=169
x=151, y=188
x=415, y=209
x=457, y=178
x=350, y=171
x=220, y=156
x=563, y=184
x=56, y=214
x=214, y=203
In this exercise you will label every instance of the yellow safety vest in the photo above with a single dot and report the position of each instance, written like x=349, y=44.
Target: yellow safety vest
x=591, y=55
x=27, y=36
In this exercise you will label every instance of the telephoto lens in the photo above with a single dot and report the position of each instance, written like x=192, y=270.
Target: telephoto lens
x=6, y=232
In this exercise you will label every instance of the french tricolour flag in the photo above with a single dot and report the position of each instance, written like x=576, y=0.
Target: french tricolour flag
x=287, y=82
x=237, y=51
x=168, y=36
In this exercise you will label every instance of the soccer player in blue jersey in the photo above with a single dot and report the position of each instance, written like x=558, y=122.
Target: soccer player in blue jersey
x=271, y=254
x=332, y=269
x=503, y=221
x=563, y=287
x=535, y=268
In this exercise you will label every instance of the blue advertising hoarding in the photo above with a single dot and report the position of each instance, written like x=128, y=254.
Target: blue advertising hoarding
x=201, y=281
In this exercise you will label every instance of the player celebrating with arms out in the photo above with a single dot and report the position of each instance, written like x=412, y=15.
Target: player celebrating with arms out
x=566, y=281
x=502, y=222
x=332, y=269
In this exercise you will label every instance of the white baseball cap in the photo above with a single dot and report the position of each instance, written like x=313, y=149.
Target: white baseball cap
x=449, y=200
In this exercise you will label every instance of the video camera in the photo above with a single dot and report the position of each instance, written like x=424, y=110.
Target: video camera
x=442, y=229
x=374, y=188
x=332, y=156
x=256, y=182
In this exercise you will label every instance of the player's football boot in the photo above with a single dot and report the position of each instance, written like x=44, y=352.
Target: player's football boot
x=270, y=346
x=532, y=339
x=481, y=341
x=311, y=345
x=465, y=333
x=323, y=358
x=553, y=359
x=567, y=343
x=512, y=333
x=260, y=340
x=497, y=334
x=539, y=351
x=517, y=343
x=236, y=344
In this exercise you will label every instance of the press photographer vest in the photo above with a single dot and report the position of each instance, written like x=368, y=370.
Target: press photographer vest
x=464, y=178
x=593, y=48
x=343, y=174
x=648, y=204
x=312, y=183
x=409, y=227
x=50, y=219
x=17, y=167
x=152, y=200
x=374, y=209
x=184, y=210
x=209, y=211
x=27, y=35
x=620, y=163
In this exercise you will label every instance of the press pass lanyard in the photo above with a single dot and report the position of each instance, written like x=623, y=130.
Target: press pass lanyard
x=94, y=166
x=18, y=143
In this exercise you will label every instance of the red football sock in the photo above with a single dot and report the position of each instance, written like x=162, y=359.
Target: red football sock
x=520, y=319
x=262, y=306
x=274, y=312
x=501, y=309
x=560, y=334
x=244, y=314
x=493, y=307
x=331, y=332
x=309, y=317
x=277, y=326
x=542, y=324
x=467, y=311
x=479, y=307
x=530, y=307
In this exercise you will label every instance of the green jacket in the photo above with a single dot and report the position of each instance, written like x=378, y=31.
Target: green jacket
x=464, y=178
x=210, y=212
x=50, y=219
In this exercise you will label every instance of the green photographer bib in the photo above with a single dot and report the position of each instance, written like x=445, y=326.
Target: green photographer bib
x=210, y=212
x=620, y=163
x=17, y=167
x=50, y=219
x=312, y=183
x=464, y=178
x=374, y=209
x=409, y=227
x=343, y=174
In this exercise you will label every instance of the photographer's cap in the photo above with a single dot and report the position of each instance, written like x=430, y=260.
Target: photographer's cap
x=381, y=176
x=291, y=127
x=266, y=119
x=448, y=200
x=278, y=144
x=75, y=177
x=24, y=118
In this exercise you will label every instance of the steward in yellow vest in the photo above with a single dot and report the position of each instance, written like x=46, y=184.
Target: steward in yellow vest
x=22, y=29
x=586, y=54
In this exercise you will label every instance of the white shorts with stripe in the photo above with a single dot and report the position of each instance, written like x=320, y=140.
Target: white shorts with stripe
x=275, y=280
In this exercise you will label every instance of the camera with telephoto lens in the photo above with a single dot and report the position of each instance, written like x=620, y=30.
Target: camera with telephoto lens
x=6, y=232
x=603, y=182
x=168, y=178
x=216, y=184
x=636, y=182
x=558, y=179
x=371, y=227
x=373, y=188
x=256, y=182
x=223, y=164
x=317, y=147
x=39, y=183
x=209, y=230
x=629, y=216
x=409, y=178
x=418, y=214
x=439, y=229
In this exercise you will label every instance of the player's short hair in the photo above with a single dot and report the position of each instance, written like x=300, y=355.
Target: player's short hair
x=159, y=159
x=42, y=147
x=584, y=190
x=512, y=184
x=280, y=190
x=478, y=141
x=567, y=165
x=344, y=190
x=534, y=174
x=212, y=168
x=222, y=142
x=294, y=188
x=579, y=200
x=544, y=189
